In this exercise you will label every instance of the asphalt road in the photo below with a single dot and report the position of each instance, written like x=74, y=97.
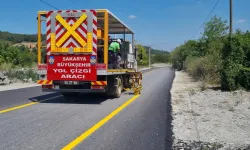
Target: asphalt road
x=12, y=98
x=53, y=124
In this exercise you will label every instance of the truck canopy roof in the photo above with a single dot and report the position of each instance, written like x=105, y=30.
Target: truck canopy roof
x=116, y=26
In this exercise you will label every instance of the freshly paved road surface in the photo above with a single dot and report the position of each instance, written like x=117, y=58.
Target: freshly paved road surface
x=53, y=124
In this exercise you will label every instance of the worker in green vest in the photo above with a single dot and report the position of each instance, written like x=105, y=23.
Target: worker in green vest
x=114, y=49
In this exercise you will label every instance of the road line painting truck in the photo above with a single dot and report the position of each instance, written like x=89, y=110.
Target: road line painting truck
x=76, y=53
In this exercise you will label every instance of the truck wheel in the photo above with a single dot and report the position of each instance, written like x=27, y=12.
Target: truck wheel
x=118, y=88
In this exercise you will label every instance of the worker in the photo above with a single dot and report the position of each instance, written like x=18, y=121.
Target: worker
x=109, y=39
x=114, y=49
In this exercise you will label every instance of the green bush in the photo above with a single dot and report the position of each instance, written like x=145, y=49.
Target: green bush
x=243, y=78
x=216, y=58
x=144, y=61
x=176, y=59
x=13, y=74
x=32, y=74
x=229, y=76
x=16, y=56
x=204, y=68
x=195, y=66
x=160, y=58
x=22, y=74
x=181, y=53
x=5, y=66
x=233, y=58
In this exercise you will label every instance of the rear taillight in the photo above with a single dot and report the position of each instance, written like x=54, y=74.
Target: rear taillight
x=97, y=87
x=50, y=86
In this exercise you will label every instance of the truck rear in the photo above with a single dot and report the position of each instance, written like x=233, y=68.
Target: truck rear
x=71, y=64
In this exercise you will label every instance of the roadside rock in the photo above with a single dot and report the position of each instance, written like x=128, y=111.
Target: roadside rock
x=23, y=75
x=195, y=145
x=4, y=79
x=199, y=145
x=1, y=75
x=238, y=147
x=25, y=80
x=30, y=80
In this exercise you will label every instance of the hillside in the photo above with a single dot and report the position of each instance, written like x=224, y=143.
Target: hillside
x=30, y=39
x=155, y=51
x=18, y=38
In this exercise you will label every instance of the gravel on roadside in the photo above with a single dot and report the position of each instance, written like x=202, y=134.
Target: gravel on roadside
x=210, y=117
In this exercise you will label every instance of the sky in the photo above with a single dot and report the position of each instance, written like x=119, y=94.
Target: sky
x=163, y=24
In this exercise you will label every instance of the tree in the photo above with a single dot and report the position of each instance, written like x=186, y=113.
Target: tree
x=176, y=58
x=215, y=28
x=12, y=55
x=26, y=59
x=160, y=58
x=141, y=50
x=16, y=55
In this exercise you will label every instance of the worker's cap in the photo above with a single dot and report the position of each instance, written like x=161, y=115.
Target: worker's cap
x=119, y=41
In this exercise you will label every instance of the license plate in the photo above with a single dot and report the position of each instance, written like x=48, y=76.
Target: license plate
x=71, y=82
x=56, y=87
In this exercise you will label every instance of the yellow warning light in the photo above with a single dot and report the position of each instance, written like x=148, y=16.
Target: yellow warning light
x=90, y=40
x=53, y=42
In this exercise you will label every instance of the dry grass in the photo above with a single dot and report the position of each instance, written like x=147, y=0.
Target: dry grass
x=5, y=66
x=204, y=69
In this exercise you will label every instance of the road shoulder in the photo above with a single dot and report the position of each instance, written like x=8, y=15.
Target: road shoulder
x=208, y=119
x=15, y=86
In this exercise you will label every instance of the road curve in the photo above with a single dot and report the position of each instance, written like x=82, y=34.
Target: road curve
x=53, y=124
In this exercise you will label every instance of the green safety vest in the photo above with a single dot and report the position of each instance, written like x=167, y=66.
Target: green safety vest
x=114, y=46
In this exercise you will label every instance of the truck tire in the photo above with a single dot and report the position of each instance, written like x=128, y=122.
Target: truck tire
x=118, y=88
x=115, y=89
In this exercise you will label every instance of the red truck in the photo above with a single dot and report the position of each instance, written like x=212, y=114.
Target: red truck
x=76, y=53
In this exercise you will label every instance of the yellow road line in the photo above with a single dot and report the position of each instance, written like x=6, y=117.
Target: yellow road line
x=91, y=130
x=25, y=105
